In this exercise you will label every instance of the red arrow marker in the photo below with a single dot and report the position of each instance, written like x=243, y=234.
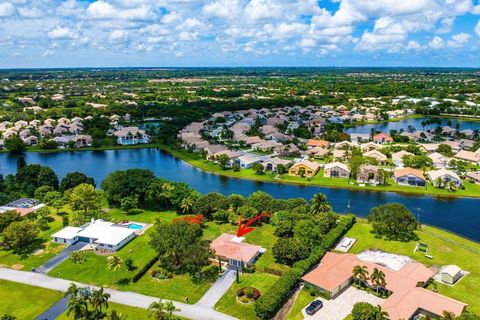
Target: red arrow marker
x=242, y=230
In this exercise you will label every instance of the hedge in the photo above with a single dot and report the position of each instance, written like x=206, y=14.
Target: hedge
x=144, y=269
x=272, y=301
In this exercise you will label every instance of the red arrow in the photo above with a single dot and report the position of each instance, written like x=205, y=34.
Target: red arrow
x=242, y=230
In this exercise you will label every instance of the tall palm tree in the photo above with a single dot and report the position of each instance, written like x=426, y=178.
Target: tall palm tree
x=99, y=299
x=379, y=314
x=319, y=204
x=170, y=308
x=114, y=315
x=360, y=273
x=113, y=264
x=157, y=310
x=378, y=279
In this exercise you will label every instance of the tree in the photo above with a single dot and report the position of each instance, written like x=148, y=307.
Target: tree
x=40, y=192
x=187, y=204
x=21, y=162
x=378, y=279
x=115, y=315
x=394, y=221
x=363, y=311
x=261, y=201
x=223, y=161
x=360, y=274
x=15, y=144
x=132, y=182
x=289, y=250
x=8, y=317
x=113, y=264
x=281, y=169
x=20, y=235
x=235, y=201
x=308, y=233
x=32, y=176
x=73, y=179
x=7, y=218
x=54, y=199
x=211, y=202
x=319, y=204
x=162, y=310
x=180, y=246
x=85, y=198
x=128, y=203
x=445, y=149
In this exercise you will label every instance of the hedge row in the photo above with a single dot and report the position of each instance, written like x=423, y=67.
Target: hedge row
x=144, y=269
x=271, y=301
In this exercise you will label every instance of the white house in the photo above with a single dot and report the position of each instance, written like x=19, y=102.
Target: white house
x=131, y=135
x=105, y=235
x=247, y=160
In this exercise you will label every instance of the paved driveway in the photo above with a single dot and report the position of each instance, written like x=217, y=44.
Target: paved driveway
x=341, y=306
x=59, y=258
x=128, y=298
x=217, y=290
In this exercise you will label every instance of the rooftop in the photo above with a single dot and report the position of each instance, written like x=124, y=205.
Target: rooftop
x=232, y=247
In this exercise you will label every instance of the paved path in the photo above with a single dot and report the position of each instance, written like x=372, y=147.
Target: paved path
x=54, y=311
x=59, y=258
x=123, y=297
x=217, y=290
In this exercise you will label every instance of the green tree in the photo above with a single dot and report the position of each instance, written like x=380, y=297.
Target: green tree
x=32, y=176
x=319, y=204
x=360, y=274
x=40, y=192
x=445, y=149
x=15, y=144
x=378, y=279
x=133, y=182
x=308, y=233
x=289, y=250
x=223, y=161
x=73, y=179
x=84, y=198
x=7, y=218
x=128, y=203
x=54, y=199
x=20, y=235
x=394, y=221
x=363, y=311
x=113, y=264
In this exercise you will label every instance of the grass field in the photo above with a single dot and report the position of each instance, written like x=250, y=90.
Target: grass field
x=471, y=189
x=46, y=250
x=25, y=302
x=228, y=303
x=445, y=248
x=130, y=313
x=303, y=299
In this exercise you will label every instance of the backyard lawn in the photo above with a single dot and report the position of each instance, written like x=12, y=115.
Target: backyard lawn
x=228, y=303
x=25, y=302
x=445, y=248
x=46, y=250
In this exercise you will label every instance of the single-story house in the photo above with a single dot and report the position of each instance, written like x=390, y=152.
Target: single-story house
x=343, y=145
x=382, y=138
x=450, y=274
x=474, y=176
x=228, y=247
x=369, y=174
x=247, y=160
x=377, y=155
x=445, y=176
x=318, y=143
x=409, y=298
x=105, y=235
x=336, y=170
x=439, y=160
x=272, y=163
x=309, y=168
x=339, y=154
x=318, y=152
x=23, y=206
x=429, y=147
x=409, y=177
x=131, y=135
x=397, y=157
x=369, y=146
x=31, y=140
x=468, y=156
x=358, y=138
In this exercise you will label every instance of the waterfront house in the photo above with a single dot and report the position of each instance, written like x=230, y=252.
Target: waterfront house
x=247, y=160
x=369, y=174
x=82, y=141
x=131, y=136
x=233, y=250
x=30, y=140
x=102, y=234
x=304, y=168
x=409, y=177
x=397, y=157
x=377, y=155
x=272, y=163
x=408, y=300
x=358, y=138
x=444, y=176
x=336, y=170
x=439, y=160
x=474, y=176
x=382, y=138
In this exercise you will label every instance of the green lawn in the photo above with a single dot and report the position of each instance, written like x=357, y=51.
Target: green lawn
x=46, y=251
x=25, y=302
x=471, y=189
x=442, y=249
x=228, y=303
x=303, y=299
x=130, y=313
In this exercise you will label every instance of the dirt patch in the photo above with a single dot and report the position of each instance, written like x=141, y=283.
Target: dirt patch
x=38, y=252
x=17, y=266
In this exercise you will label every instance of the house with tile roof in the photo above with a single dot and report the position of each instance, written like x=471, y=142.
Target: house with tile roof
x=235, y=251
x=409, y=177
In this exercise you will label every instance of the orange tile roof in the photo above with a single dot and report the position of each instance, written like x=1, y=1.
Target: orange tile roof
x=24, y=211
x=400, y=172
x=382, y=135
x=224, y=247
x=335, y=269
x=318, y=143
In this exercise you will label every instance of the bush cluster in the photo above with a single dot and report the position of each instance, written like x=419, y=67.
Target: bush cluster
x=144, y=269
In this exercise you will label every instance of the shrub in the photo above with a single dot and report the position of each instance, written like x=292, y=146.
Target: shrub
x=144, y=269
x=250, y=293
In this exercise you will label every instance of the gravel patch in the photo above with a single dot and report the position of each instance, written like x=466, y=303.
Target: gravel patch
x=390, y=260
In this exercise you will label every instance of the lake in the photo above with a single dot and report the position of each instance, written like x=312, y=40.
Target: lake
x=416, y=123
x=461, y=216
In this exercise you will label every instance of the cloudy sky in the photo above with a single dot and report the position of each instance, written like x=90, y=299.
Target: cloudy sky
x=73, y=33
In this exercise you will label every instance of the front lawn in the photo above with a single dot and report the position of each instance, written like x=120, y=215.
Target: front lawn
x=25, y=302
x=130, y=313
x=303, y=299
x=446, y=248
x=228, y=303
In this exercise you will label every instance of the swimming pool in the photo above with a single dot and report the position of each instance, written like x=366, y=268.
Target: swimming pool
x=135, y=226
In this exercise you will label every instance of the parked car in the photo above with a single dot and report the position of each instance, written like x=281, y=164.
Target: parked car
x=314, y=307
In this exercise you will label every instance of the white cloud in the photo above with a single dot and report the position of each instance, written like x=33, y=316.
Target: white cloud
x=104, y=10
x=458, y=40
x=188, y=36
x=6, y=9
x=62, y=33
x=436, y=43
x=477, y=28
x=118, y=36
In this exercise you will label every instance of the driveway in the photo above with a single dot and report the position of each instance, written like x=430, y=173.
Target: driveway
x=59, y=258
x=123, y=297
x=340, y=307
x=54, y=311
x=217, y=290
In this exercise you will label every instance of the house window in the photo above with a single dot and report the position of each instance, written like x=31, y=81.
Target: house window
x=110, y=246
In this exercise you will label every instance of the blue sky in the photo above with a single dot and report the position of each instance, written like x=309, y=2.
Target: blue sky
x=123, y=33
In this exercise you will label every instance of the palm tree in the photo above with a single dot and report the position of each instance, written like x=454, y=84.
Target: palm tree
x=113, y=264
x=99, y=299
x=157, y=310
x=447, y=315
x=379, y=314
x=186, y=205
x=170, y=308
x=378, y=278
x=114, y=315
x=360, y=273
x=319, y=204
